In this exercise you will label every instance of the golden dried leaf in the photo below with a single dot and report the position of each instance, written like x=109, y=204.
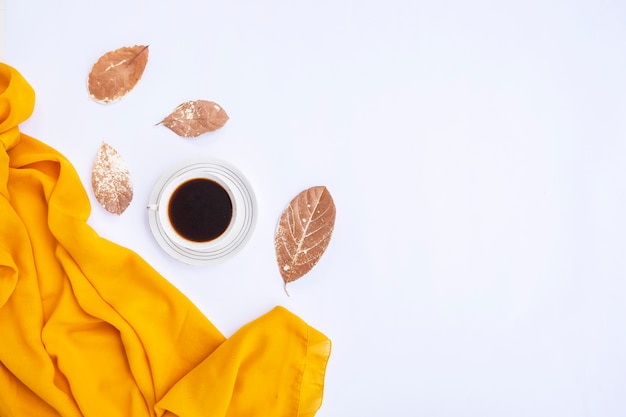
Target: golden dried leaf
x=193, y=118
x=110, y=180
x=303, y=232
x=117, y=72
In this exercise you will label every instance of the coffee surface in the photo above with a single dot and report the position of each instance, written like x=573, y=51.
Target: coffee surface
x=200, y=210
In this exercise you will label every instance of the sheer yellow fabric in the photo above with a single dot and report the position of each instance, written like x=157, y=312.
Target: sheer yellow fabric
x=88, y=328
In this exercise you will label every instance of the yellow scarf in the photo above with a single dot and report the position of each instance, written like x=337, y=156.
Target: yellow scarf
x=88, y=328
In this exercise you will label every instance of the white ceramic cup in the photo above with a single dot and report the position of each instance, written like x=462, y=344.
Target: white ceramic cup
x=226, y=244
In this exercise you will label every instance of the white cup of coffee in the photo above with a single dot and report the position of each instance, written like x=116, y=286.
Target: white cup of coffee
x=202, y=211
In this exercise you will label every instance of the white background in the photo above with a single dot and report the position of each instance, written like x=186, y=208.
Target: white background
x=475, y=151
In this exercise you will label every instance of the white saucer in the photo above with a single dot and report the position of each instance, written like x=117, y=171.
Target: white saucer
x=236, y=235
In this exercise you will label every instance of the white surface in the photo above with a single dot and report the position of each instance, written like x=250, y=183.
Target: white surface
x=475, y=151
x=2, y=30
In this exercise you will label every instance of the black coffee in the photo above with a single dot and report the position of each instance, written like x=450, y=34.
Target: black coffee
x=200, y=210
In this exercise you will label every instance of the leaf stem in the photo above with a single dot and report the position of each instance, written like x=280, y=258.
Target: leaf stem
x=285, y=288
x=138, y=53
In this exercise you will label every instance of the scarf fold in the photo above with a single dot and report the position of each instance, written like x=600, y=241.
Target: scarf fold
x=88, y=328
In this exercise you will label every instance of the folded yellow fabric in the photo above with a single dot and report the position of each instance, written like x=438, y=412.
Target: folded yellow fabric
x=88, y=328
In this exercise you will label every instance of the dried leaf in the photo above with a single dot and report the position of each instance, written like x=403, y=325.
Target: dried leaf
x=110, y=180
x=193, y=118
x=303, y=233
x=117, y=72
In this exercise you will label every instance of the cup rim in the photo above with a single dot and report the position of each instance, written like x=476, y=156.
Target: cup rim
x=164, y=201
